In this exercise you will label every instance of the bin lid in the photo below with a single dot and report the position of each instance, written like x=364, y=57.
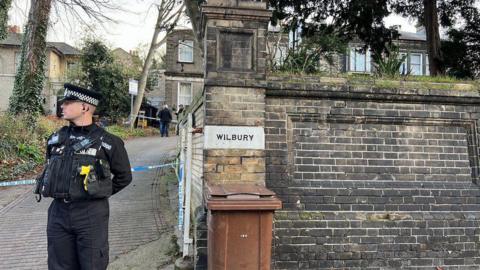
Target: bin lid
x=241, y=197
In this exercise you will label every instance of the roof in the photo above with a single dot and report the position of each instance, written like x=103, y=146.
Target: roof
x=183, y=31
x=420, y=36
x=15, y=39
x=64, y=48
x=12, y=39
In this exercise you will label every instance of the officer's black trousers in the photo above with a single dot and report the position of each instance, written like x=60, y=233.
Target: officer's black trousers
x=78, y=235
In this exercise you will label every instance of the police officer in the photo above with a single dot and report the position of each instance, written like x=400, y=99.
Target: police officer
x=85, y=166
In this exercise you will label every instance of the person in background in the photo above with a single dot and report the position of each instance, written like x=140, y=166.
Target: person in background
x=165, y=119
x=179, y=111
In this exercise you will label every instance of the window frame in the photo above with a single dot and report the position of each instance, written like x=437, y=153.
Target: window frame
x=427, y=65
x=183, y=46
x=404, y=65
x=419, y=65
x=178, y=92
x=354, y=54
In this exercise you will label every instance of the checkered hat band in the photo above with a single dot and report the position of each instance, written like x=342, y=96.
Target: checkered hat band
x=81, y=97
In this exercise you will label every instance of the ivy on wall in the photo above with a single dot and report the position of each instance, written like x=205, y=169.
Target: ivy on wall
x=4, y=7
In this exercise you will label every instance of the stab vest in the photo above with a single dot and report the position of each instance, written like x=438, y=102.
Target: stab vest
x=74, y=172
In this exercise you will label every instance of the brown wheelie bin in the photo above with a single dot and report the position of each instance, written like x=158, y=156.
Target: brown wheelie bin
x=240, y=218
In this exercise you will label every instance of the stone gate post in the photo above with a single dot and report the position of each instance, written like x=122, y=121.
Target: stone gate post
x=234, y=34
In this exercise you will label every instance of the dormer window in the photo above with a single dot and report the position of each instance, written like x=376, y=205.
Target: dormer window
x=185, y=51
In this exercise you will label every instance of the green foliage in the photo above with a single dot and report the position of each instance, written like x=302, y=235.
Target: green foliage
x=4, y=7
x=125, y=132
x=29, y=151
x=100, y=72
x=301, y=60
x=306, y=57
x=388, y=65
x=462, y=49
x=173, y=248
x=21, y=146
x=29, y=80
x=365, y=19
x=348, y=19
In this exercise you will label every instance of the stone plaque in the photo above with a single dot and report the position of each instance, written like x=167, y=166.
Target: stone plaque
x=235, y=51
x=234, y=137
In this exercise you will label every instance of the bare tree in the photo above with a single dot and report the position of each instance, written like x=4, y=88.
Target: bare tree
x=169, y=13
x=29, y=81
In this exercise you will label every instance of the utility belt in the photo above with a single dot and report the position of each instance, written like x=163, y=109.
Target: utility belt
x=75, y=176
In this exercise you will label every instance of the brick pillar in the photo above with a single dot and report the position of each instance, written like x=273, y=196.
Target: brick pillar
x=234, y=34
x=235, y=52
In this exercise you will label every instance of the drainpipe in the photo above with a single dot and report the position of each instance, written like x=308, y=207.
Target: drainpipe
x=187, y=241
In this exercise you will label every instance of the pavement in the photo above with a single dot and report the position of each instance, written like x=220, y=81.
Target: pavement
x=141, y=226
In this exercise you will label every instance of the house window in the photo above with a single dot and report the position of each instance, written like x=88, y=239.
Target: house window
x=72, y=66
x=18, y=58
x=360, y=62
x=185, y=51
x=184, y=93
x=416, y=64
x=403, y=66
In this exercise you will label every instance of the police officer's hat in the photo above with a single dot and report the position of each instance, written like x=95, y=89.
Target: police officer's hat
x=77, y=93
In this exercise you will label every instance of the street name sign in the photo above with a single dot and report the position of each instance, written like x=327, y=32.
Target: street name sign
x=234, y=137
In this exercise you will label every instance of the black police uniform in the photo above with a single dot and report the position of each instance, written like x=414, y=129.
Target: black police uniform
x=85, y=166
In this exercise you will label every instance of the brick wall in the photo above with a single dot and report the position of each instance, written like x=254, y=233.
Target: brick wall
x=235, y=106
x=199, y=222
x=240, y=107
x=373, y=178
x=171, y=89
x=173, y=65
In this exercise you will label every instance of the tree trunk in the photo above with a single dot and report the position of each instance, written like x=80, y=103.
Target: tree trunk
x=166, y=20
x=435, y=57
x=193, y=12
x=27, y=90
x=143, y=78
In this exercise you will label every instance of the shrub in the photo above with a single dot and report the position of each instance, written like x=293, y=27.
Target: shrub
x=125, y=132
x=21, y=146
x=389, y=65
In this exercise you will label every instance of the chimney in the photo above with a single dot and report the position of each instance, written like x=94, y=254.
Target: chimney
x=14, y=29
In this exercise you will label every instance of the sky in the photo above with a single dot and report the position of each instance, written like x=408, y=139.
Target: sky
x=134, y=27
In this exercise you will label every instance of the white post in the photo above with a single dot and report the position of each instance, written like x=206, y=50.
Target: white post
x=131, y=109
x=132, y=90
x=181, y=184
x=187, y=241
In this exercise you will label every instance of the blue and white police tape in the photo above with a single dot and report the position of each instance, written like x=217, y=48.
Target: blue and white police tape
x=151, y=167
x=134, y=169
x=17, y=183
